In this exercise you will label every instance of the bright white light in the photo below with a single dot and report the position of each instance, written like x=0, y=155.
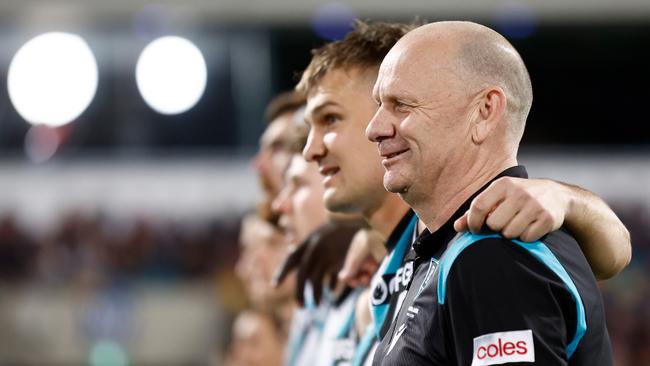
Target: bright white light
x=52, y=79
x=171, y=75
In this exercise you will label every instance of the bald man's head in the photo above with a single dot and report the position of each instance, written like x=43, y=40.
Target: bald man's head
x=453, y=99
x=480, y=58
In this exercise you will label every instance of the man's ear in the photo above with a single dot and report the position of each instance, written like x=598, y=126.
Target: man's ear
x=490, y=109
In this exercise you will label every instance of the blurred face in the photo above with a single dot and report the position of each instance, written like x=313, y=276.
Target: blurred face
x=421, y=127
x=300, y=203
x=274, y=155
x=339, y=110
x=263, y=250
x=256, y=342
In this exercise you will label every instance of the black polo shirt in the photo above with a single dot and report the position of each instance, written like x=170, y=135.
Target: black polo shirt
x=486, y=300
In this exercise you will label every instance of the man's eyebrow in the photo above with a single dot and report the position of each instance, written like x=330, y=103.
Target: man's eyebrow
x=402, y=97
x=322, y=106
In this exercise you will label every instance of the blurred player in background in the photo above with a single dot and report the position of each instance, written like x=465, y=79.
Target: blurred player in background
x=323, y=327
x=282, y=116
x=258, y=339
x=263, y=242
x=263, y=248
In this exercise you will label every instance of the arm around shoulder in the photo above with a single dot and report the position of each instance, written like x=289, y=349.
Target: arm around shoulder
x=604, y=239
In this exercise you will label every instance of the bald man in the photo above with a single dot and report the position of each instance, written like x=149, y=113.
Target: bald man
x=453, y=100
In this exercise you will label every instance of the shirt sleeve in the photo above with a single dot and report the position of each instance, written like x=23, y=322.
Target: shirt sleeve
x=504, y=306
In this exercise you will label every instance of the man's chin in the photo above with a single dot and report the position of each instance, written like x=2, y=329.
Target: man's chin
x=395, y=185
x=335, y=201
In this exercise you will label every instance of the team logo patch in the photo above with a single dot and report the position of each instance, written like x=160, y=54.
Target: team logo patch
x=504, y=347
x=390, y=284
x=380, y=293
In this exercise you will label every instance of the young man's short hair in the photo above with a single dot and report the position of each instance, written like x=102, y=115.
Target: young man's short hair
x=365, y=46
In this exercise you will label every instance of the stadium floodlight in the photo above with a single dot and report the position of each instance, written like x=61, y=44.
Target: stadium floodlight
x=171, y=75
x=52, y=79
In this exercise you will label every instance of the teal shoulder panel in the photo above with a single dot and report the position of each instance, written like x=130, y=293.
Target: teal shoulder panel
x=539, y=251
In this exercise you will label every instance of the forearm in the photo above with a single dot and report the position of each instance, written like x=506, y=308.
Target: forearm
x=602, y=236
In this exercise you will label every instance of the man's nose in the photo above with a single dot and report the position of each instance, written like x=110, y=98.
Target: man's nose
x=279, y=204
x=314, y=148
x=380, y=126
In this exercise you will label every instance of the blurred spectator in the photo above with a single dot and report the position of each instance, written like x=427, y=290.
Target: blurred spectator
x=263, y=250
x=282, y=117
x=258, y=340
x=16, y=251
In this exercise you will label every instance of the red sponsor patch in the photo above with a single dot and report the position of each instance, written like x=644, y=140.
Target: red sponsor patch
x=504, y=347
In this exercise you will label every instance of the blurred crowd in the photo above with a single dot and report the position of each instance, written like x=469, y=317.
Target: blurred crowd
x=96, y=249
x=627, y=296
x=97, y=289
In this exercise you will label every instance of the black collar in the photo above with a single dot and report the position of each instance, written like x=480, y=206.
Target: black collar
x=433, y=244
x=396, y=234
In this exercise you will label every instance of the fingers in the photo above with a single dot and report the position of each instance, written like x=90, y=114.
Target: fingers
x=357, y=254
x=483, y=205
x=503, y=214
x=347, y=275
x=368, y=268
x=351, y=264
x=528, y=224
x=535, y=225
x=515, y=207
x=351, y=268
x=534, y=232
x=460, y=225
x=517, y=224
x=361, y=273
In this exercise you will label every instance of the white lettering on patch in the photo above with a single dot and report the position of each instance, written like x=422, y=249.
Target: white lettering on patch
x=504, y=347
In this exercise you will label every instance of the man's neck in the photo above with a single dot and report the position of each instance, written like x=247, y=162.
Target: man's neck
x=385, y=218
x=437, y=206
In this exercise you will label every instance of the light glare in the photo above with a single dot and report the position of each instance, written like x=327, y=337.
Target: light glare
x=171, y=75
x=52, y=79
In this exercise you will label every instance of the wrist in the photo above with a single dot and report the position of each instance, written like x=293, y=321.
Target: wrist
x=574, y=206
